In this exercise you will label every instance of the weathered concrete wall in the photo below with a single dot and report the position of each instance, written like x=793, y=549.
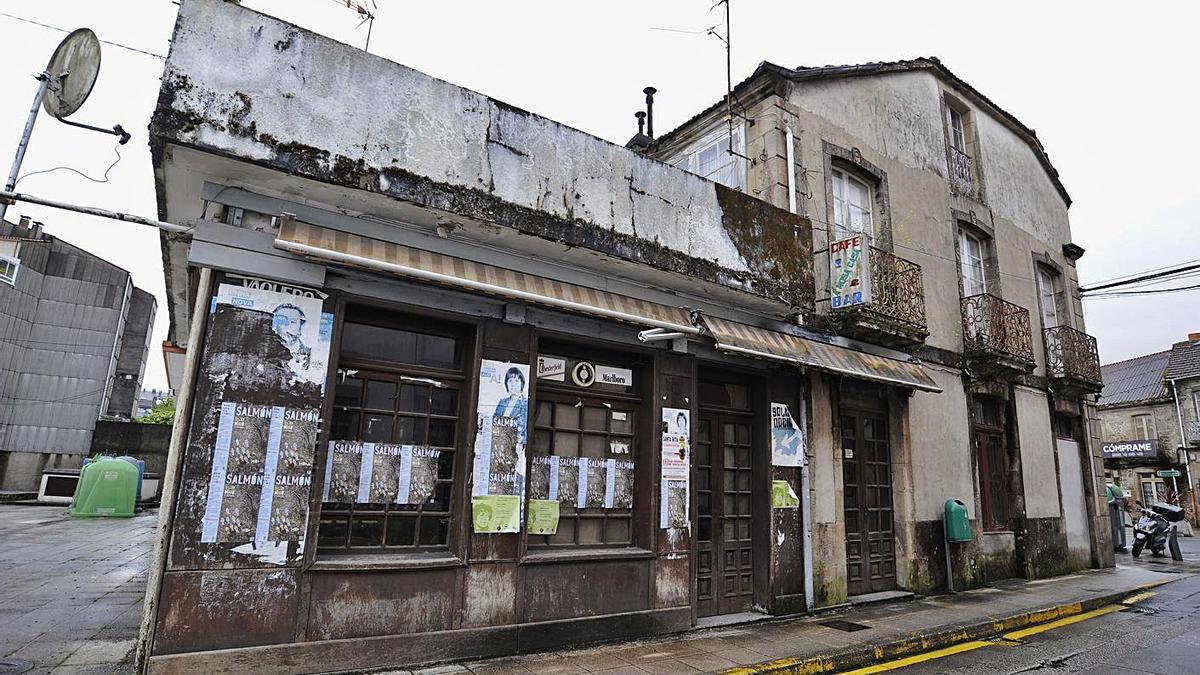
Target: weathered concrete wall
x=941, y=438
x=334, y=113
x=1037, y=454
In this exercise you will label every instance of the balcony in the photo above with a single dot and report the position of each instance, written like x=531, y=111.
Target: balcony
x=1072, y=362
x=997, y=341
x=962, y=175
x=1191, y=433
x=895, y=314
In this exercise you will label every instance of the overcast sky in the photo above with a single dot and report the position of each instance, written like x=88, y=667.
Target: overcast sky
x=1110, y=92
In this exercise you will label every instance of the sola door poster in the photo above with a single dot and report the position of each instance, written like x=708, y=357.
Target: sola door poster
x=676, y=463
x=787, y=439
x=498, y=476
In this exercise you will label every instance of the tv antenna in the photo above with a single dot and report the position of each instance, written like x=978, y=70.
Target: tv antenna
x=62, y=88
x=728, y=40
x=367, y=14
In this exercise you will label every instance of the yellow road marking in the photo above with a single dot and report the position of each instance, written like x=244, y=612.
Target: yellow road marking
x=1041, y=628
x=921, y=658
x=1133, y=599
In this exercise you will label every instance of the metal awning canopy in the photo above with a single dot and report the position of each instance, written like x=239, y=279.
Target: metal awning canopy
x=741, y=338
x=350, y=249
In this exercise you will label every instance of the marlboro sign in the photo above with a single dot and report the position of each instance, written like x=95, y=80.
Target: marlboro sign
x=849, y=277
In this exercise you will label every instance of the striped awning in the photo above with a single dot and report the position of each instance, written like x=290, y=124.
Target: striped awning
x=351, y=249
x=741, y=338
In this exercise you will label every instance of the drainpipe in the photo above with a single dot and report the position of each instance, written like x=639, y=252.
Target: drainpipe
x=791, y=170
x=1183, y=443
x=805, y=501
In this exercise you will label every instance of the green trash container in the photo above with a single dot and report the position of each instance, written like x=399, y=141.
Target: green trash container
x=958, y=527
x=107, y=487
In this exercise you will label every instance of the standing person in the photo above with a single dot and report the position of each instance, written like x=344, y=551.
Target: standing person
x=1116, y=513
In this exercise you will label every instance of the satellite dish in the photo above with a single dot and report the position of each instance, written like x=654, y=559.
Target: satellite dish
x=72, y=70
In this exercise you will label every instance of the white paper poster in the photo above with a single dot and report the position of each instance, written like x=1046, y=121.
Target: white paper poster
x=298, y=321
x=502, y=420
x=676, y=465
x=788, y=446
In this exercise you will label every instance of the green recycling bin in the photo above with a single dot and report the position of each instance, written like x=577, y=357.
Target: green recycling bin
x=958, y=526
x=107, y=487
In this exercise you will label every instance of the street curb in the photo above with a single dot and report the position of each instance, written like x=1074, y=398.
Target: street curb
x=935, y=638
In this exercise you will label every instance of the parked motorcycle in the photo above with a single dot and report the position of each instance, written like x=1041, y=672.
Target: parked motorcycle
x=1157, y=531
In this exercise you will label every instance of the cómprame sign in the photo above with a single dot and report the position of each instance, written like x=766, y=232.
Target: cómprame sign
x=1140, y=449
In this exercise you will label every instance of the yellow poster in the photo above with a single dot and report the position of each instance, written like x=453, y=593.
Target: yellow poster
x=496, y=513
x=543, y=516
x=783, y=496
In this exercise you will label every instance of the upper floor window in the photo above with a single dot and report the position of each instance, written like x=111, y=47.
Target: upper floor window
x=8, y=269
x=851, y=205
x=958, y=136
x=958, y=129
x=972, y=251
x=1047, y=285
x=712, y=159
x=1196, y=402
x=1143, y=427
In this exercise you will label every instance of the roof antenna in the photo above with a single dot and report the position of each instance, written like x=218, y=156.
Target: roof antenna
x=368, y=16
x=650, y=92
x=728, y=39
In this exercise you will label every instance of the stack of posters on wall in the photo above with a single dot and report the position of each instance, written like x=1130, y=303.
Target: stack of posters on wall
x=262, y=461
x=581, y=482
x=498, y=476
x=379, y=473
x=788, y=446
x=676, y=460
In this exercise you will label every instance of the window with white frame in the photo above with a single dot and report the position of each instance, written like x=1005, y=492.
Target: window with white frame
x=958, y=128
x=851, y=205
x=1196, y=402
x=712, y=159
x=1047, y=283
x=1143, y=426
x=972, y=251
x=9, y=265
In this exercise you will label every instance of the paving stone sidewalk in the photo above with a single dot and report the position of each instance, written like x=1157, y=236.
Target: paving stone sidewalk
x=717, y=649
x=71, y=588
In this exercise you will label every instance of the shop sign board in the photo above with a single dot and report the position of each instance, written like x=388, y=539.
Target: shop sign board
x=849, y=272
x=552, y=368
x=1137, y=449
x=618, y=377
x=1168, y=473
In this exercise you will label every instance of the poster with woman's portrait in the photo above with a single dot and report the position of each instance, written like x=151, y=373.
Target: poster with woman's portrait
x=502, y=417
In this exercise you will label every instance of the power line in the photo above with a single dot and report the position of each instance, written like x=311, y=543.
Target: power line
x=1118, y=294
x=64, y=30
x=1144, y=277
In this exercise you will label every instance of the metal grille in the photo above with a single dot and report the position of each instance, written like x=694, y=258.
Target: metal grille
x=962, y=176
x=897, y=288
x=1072, y=353
x=992, y=325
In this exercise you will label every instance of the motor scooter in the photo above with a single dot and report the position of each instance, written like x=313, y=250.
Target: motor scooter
x=1156, y=530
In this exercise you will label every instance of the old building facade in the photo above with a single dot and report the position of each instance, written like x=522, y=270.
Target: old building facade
x=463, y=381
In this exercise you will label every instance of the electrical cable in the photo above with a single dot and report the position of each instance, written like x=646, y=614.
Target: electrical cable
x=116, y=150
x=69, y=399
x=64, y=30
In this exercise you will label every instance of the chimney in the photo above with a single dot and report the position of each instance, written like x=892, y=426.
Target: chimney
x=650, y=92
x=24, y=223
x=1193, y=337
x=36, y=231
x=641, y=118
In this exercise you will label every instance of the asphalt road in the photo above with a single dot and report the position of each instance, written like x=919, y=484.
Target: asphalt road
x=1160, y=634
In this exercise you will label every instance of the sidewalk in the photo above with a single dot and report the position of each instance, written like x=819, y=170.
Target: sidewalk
x=70, y=589
x=844, y=639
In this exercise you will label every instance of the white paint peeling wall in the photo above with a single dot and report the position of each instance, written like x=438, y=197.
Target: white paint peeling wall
x=320, y=93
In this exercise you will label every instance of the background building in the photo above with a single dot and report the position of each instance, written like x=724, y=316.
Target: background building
x=1148, y=413
x=74, y=337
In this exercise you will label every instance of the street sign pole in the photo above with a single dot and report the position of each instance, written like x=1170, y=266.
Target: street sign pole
x=11, y=184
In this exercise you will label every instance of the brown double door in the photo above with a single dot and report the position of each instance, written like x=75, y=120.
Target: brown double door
x=867, y=492
x=724, y=552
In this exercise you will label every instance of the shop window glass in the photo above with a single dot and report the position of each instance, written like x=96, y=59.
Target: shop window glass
x=394, y=388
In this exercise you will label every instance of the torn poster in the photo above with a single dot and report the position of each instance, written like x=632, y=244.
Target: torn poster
x=783, y=496
x=788, y=447
x=675, y=470
x=298, y=321
x=502, y=416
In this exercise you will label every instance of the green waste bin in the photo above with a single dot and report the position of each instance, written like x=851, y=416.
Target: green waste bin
x=958, y=527
x=107, y=487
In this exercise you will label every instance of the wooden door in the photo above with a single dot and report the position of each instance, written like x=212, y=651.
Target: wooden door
x=867, y=493
x=724, y=548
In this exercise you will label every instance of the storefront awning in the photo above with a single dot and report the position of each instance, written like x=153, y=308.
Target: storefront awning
x=350, y=249
x=741, y=338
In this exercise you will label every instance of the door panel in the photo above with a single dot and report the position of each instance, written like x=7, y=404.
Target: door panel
x=867, y=504
x=724, y=547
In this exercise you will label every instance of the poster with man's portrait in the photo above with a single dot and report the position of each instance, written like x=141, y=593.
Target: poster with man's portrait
x=297, y=320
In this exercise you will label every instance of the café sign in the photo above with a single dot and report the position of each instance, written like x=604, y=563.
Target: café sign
x=1140, y=449
x=849, y=276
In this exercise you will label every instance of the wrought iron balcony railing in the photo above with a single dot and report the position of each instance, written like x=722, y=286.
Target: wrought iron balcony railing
x=993, y=326
x=1191, y=432
x=897, y=289
x=1072, y=355
x=962, y=177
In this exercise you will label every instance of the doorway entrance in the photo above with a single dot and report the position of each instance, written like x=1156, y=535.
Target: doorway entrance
x=867, y=497
x=722, y=453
